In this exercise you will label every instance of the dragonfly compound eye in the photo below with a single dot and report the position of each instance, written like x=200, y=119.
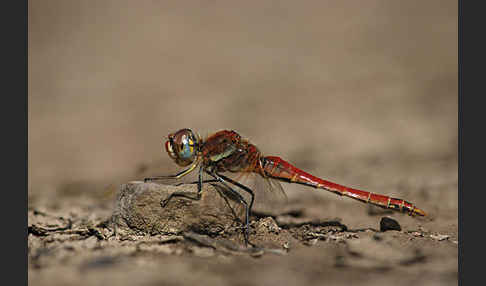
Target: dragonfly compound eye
x=182, y=147
x=170, y=149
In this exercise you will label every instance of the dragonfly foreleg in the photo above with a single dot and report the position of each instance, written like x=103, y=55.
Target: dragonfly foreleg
x=196, y=182
x=176, y=176
x=199, y=182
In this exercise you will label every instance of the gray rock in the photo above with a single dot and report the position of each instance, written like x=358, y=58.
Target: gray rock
x=138, y=209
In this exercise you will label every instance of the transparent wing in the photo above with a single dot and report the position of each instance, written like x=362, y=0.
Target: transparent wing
x=276, y=189
x=269, y=194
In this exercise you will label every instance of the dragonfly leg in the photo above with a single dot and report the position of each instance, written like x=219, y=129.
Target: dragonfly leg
x=243, y=187
x=222, y=179
x=176, y=176
x=199, y=182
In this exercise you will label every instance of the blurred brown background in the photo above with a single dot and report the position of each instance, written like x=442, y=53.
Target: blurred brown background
x=319, y=83
x=363, y=93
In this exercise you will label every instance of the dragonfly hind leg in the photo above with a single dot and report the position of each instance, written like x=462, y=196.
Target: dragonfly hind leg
x=243, y=187
x=223, y=179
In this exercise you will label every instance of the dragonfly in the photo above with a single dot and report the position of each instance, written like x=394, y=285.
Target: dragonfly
x=226, y=151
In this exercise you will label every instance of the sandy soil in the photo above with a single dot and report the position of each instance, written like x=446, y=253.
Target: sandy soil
x=360, y=93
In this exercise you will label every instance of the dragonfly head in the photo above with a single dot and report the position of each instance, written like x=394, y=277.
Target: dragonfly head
x=183, y=146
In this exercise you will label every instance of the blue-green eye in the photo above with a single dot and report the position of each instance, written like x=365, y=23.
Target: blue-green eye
x=182, y=146
x=187, y=148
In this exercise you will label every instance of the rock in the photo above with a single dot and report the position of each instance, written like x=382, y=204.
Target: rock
x=138, y=208
x=388, y=223
x=267, y=225
x=439, y=237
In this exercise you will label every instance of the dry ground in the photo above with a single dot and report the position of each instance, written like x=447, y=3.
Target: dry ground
x=363, y=93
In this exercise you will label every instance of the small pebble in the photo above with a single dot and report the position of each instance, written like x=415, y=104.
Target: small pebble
x=439, y=237
x=417, y=234
x=387, y=223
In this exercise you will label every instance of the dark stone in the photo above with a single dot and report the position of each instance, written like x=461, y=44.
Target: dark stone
x=387, y=223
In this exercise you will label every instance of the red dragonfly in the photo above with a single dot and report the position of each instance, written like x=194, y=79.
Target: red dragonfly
x=227, y=151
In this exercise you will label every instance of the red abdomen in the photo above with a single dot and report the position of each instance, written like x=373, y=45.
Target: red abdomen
x=278, y=168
